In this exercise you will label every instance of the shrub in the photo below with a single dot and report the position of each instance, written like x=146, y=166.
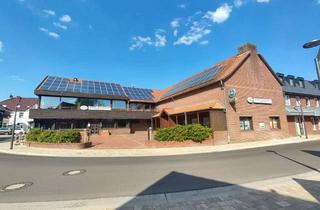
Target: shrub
x=54, y=136
x=194, y=132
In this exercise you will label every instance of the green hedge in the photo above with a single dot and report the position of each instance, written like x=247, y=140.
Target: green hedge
x=54, y=136
x=194, y=132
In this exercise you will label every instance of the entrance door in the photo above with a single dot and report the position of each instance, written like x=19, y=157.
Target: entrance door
x=95, y=128
x=299, y=126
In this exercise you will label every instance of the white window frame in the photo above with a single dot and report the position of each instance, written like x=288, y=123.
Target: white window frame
x=287, y=100
x=316, y=102
x=298, y=100
x=308, y=103
x=314, y=125
x=301, y=83
x=291, y=82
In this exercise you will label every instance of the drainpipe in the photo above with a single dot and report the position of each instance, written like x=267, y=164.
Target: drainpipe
x=226, y=109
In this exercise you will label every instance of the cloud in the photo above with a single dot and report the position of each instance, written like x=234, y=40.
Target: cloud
x=16, y=78
x=221, y=14
x=181, y=6
x=194, y=34
x=263, y=1
x=50, y=33
x=204, y=42
x=238, y=3
x=59, y=25
x=1, y=46
x=49, y=12
x=139, y=42
x=175, y=23
x=65, y=18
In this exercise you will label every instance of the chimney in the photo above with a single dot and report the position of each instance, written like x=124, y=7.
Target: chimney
x=247, y=47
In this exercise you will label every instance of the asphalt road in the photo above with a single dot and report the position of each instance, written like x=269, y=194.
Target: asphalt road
x=109, y=177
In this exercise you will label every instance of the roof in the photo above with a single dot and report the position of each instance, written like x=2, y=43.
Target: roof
x=74, y=87
x=208, y=76
x=310, y=87
x=213, y=104
x=25, y=103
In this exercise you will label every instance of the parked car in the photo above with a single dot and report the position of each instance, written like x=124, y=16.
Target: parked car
x=19, y=131
x=5, y=131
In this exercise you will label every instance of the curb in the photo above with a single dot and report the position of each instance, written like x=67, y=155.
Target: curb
x=157, y=199
x=156, y=152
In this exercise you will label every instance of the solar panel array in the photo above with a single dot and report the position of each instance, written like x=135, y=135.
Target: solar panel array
x=195, y=80
x=138, y=93
x=59, y=84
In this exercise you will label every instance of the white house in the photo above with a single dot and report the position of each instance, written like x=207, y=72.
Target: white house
x=22, y=118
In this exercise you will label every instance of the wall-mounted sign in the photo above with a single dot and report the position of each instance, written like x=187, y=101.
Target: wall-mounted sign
x=99, y=107
x=84, y=107
x=252, y=100
x=262, y=125
x=232, y=95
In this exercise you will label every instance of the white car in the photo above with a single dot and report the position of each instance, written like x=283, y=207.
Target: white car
x=19, y=131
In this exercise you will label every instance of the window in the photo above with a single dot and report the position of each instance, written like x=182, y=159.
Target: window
x=48, y=102
x=122, y=124
x=314, y=123
x=291, y=82
x=316, y=101
x=298, y=101
x=307, y=101
x=274, y=123
x=246, y=124
x=20, y=114
x=117, y=104
x=287, y=100
x=69, y=103
x=301, y=83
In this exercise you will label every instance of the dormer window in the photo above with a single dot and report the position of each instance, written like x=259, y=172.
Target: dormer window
x=298, y=101
x=300, y=83
x=308, y=102
x=291, y=82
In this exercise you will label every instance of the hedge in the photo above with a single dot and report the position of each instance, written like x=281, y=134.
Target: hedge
x=54, y=136
x=194, y=132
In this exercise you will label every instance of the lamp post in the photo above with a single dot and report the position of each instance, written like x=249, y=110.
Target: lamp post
x=14, y=121
x=311, y=44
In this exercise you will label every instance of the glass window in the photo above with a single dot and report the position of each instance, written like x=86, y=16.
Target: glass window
x=287, y=100
x=314, y=123
x=307, y=101
x=291, y=82
x=274, y=123
x=69, y=103
x=119, y=104
x=95, y=104
x=48, y=102
x=246, y=123
x=20, y=114
x=122, y=124
x=107, y=123
x=298, y=101
x=316, y=101
x=301, y=83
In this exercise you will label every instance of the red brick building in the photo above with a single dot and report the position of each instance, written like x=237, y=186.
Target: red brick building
x=241, y=98
x=302, y=104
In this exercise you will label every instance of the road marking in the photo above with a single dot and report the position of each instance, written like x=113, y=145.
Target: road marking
x=15, y=186
x=74, y=172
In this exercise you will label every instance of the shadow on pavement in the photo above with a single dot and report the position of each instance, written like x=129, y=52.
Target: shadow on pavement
x=312, y=152
x=221, y=195
x=313, y=187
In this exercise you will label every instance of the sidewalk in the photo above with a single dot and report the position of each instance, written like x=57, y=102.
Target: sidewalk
x=24, y=150
x=293, y=192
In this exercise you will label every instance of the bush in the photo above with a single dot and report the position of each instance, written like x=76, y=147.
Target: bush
x=54, y=136
x=194, y=132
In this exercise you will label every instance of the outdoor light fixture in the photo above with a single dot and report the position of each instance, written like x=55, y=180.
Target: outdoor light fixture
x=311, y=44
x=14, y=120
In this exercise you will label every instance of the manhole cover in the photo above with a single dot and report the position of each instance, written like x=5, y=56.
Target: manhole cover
x=74, y=172
x=15, y=186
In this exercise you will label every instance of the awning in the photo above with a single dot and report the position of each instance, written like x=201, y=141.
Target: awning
x=192, y=108
x=307, y=111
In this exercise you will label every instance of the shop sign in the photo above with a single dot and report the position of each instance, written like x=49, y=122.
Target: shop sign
x=83, y=107
x=252, y=100
x=99, y=108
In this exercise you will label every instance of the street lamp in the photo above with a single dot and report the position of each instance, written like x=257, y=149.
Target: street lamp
x=14, y=120
x=311, y=44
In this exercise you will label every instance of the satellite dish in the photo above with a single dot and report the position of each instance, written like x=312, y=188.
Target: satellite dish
x=312, y=43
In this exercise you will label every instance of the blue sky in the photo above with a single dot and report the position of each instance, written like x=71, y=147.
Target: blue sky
x=147, y=43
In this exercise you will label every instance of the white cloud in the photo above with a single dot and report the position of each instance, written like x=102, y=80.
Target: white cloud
x=49, y=12
x=181, y=6
x=175, y=23
x=220, y=15
x=263, y=1
x=59, y=25
x=195, y=34
x=175, y=32
x=65, y=18
x=50, y=33
x=159, y=40
x=1, y=46
x=318, y=1
x=238, y=3
x=204, y=42
x=16, y=78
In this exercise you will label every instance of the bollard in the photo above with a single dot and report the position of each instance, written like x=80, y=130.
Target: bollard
x=149, y=133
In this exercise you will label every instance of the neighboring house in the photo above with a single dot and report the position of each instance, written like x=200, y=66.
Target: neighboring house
x=22, y=117
x=4, y=116
x=301, y=95
x=240, y=98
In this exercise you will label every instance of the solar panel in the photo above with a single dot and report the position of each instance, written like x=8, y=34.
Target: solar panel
x=138, y=93
x=195, y=80
x=59, y=84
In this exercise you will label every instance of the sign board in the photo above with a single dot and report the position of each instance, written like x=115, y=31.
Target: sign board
x=232, y=95
x=99, y=108
x=262, y=125
x=83, y=107
x=252, y=100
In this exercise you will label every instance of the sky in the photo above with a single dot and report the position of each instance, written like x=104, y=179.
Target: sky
x=147, y=43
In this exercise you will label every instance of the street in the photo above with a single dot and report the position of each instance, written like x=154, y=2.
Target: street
x=110, y=177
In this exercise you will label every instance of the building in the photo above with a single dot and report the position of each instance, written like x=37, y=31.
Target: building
x=4, y=116
x=22, y=118
x=302, y=104
x=241, y=98
x=76, y=104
